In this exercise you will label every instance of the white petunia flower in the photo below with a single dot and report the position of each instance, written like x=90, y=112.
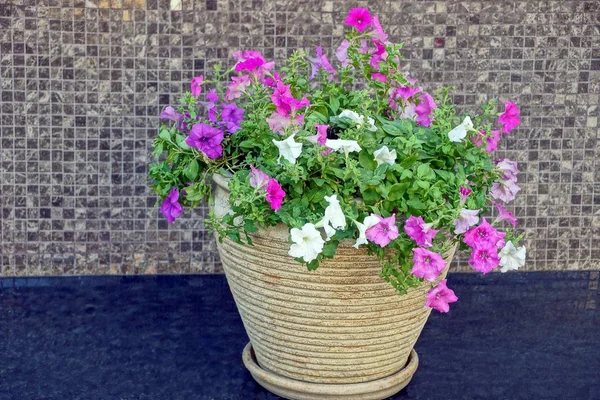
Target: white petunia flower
x=334, y=217
x=288, y=149
x=512, y=258
x=353, y=116
x=308, y=243
x=368, y=222
x=371, y=125
x=460, y=132
x=385, y=156
x=347, y=146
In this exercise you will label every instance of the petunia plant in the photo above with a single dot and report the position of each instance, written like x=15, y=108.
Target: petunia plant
x=352, y=150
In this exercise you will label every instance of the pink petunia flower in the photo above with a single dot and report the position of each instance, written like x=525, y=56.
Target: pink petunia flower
x=509, y=169
x=320, y=62
x=359, y=18
x=384, y=231
x=440, y=297
x=505, y=215
x=206, y=139
x=284, y=101
x=505, y=190
x=170, y=207
x=378, y=76
x=484, y=236
x=237, y=87
x=510, y=117
x=424, y=109
x=258, y=179
x=196, y=85
x=465, y=220
x=419, y=231
x=464, y=193
x=380, y=54
x=484, y=259
x=342, y=53
x=491, y=141
x=252, y=62
x=377, y=32
x=427, y=264
x=275, y=194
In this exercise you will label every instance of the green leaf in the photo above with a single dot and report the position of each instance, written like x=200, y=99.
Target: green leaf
x=330, y=248
x=334, y=104
x=397, y=191
x=367, y=161
x=314, y=264
x=370, y=196
x=158, y=150
x=391, y=129
x=416, y=204
x=165, y=134
x=249, y=226
x=191, y=171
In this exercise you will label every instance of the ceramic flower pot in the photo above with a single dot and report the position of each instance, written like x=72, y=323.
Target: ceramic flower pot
x=339, y=331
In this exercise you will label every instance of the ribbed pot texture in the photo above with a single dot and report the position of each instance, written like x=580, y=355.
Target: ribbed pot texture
x=339, y=324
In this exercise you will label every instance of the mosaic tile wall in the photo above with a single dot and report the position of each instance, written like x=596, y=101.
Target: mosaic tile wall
x=83, y=81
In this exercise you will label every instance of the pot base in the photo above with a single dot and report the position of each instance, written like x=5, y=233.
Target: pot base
x=293, y=389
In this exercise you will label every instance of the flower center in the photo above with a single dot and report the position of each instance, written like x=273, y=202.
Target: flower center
x=427, y=260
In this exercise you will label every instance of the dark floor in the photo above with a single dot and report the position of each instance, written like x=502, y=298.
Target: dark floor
x=511, y=336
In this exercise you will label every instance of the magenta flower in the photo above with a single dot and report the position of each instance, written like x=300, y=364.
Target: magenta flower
x=484, y=236
x=196, y=85
x=237, y=87
x=464, y=193
x=405, y=92
x=378, y=76
x=505, y=215
x=275, y=194
x=509, y=169
x=170, y=113
x=232, y=116
x=342, y=53
x=321, y=136
x=378, y=32
x=465, y=220
x=359, y=18
x=170, y=207
x=484, y=259
x=212, y=96
x=252, y=62
x=384, y=231
x=258, y=179
x=440, y=297
x=505, y=190
x=379, y=54
x=419, y=231
x=206, y=139
x=271, y=81
x=284, y=101
x=320, y=62
x=510, y=117
x=424, y=110
x=427, y=264
x=491, y=140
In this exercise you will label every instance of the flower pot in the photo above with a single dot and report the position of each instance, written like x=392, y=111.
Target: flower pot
x=339, y=331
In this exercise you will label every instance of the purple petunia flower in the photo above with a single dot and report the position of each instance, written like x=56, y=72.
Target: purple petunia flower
x=206, y=139
x=170, y=207
x=232, y=116
x=342, y=53
x=466, y=219
x=258, y=179
x=170, y=113
x=505, y=190
x=464, y=193
x=320, y=62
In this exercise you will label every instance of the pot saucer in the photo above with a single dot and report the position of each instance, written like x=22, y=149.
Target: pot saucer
x=297, y=390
